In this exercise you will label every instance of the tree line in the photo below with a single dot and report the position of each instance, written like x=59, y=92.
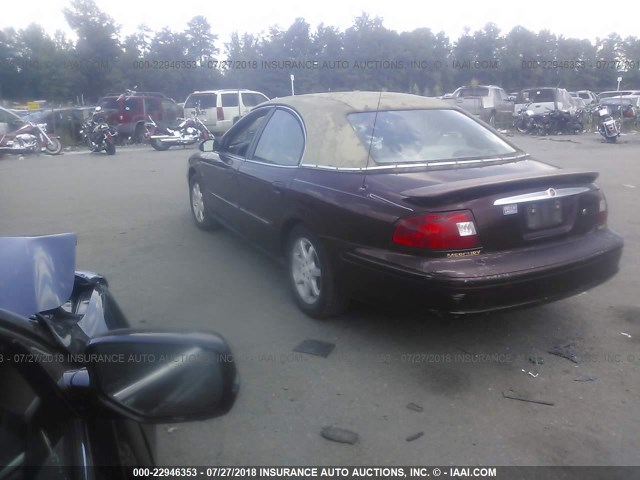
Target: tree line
x=365, y=56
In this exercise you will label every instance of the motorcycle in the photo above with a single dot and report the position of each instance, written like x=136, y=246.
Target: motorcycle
x=189, y=131
x=98, y=134
x=30, y=138
x=607, y=126
x=560, y=122
x=530, y=122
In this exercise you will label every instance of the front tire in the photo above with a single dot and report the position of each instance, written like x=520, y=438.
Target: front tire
x=492, y=119
x=312, y=277
x=201, y=217
x=138, y=134
x=522, y=126
x=54, y=148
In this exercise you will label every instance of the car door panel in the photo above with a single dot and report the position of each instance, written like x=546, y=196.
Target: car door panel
x=264, y=179
x=218, y=170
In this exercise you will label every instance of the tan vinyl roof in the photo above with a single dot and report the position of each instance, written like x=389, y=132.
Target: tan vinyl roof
x=331, y=141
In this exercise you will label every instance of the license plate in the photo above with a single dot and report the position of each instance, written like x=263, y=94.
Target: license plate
x=544, y=214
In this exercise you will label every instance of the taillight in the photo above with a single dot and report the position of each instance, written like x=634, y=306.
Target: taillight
x=438, y=231
x=220, y=113
x=601, y=219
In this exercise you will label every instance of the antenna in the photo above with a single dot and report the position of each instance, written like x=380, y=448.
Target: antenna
x=373, y=131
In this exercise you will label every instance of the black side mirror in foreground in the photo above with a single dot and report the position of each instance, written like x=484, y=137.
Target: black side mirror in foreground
x=163, y=377
x=209, y=145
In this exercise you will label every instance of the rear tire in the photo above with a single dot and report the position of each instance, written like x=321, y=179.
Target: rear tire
x=312, y=277
x=201, y=216
x=110, y=148
x=158, y=145
x=612, y=139
x=521, y=126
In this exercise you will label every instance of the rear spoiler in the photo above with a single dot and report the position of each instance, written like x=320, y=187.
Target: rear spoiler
x=496, y=184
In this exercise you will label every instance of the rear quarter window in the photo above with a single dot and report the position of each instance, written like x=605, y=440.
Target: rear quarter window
x=108, y=103
x=230, y=99
x=204, y=100
x=404, y=136
x=253, y=99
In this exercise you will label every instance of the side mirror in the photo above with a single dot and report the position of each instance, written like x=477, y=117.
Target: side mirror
x=163, y=377
x=209, y=145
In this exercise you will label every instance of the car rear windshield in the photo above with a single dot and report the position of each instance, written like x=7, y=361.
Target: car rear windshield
x=473, y=92
x=616, y=101
x=108, y=103
x=203, y=100
x=537, y=96
x=403, y=136
x=613, y=94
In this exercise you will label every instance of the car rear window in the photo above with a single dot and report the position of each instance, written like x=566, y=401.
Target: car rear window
x=230, y=99
x=613, y=94
x=253, y=99
x=402, y=136
x=616, y=101
x=205, y=100
x=473, y=92
x=537, y=96
x=108, y=103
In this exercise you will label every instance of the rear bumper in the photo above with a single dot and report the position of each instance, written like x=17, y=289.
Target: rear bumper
x=487, y=282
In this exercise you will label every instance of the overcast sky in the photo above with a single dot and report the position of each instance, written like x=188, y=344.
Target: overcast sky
x=571, y=19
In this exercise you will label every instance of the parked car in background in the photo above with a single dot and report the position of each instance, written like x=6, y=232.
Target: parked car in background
x=579, y=103
x=386, y=195
x=129, y=112
x=9, y=121
x=588, y=96
x=617, y=93
x=488, y=102
x=544, y=99
x=222, y=108
x=625, y=108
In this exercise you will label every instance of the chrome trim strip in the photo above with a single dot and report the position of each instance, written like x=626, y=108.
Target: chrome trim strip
x=260, y=219
x=271, y=164
x=224, y=200
x=544, y=195
x=395, y=166
x=376, y=197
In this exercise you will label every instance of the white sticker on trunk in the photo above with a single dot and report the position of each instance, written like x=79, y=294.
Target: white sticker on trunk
x=510, y=209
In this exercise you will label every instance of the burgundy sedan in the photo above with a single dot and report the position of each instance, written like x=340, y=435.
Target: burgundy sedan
x=369, y=195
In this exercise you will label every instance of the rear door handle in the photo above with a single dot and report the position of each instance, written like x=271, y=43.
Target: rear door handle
x=278, y=187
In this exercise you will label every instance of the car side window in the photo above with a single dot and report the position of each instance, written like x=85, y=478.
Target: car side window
x=230, y=99
x=34, y=431
x=238, y=140
x=282, y=140
x=250, y=99
x=169, y=109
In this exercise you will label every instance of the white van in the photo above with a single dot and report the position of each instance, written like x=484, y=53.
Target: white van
x=222, y=108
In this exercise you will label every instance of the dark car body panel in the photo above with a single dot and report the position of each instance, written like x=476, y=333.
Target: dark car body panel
x=354, y=210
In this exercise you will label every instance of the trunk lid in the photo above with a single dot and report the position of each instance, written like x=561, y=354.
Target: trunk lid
x=512, y=204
